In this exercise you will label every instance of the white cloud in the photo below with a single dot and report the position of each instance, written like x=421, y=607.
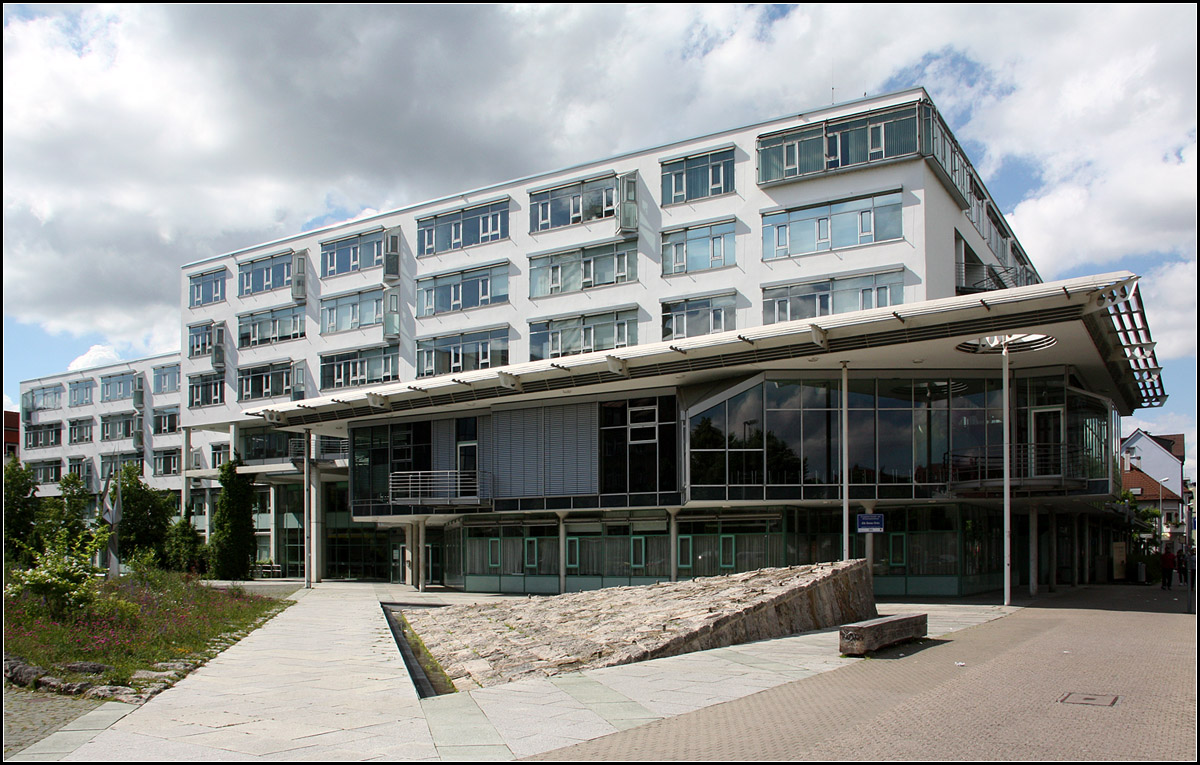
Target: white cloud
x=1169, y=297
x=139, y=138
x=9, y=404
x=95, y=356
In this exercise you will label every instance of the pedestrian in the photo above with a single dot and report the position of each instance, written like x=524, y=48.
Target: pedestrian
x=1181, y=566
x=1191, y=557
x=1168, y=567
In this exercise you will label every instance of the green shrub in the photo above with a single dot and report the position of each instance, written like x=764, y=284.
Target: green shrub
x=62, y=580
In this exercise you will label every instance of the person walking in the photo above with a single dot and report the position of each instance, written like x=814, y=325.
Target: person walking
x=1168, y=567
x=1191, y=562
x=1181, y=566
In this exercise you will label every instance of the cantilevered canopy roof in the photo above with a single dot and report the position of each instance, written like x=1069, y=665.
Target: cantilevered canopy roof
x=1098, y=325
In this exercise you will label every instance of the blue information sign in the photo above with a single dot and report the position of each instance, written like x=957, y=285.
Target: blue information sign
x=870, y=523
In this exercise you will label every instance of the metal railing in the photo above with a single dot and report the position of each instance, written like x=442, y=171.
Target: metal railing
x=328, y=448
x=1029, y=462
x=981, y=277
x=440, y=486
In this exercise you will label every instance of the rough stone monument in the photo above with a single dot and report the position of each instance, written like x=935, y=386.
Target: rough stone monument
x=489, y=644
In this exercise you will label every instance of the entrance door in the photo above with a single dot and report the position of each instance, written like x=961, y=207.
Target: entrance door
x=1046, y=449
x=468, y=465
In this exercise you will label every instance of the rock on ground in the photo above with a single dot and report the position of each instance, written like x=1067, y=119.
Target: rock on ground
x=489, y=644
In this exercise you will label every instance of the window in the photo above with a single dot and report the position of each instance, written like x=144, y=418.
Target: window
x=698, y=249
x=220, y=454
x=832, y=226
x=166, y=379
x=47, y=398
x=828, y=146
x=352, y=254
x=114, y=427
x=117, y=387
x=583, y=269
x=40, y=436
x=362, y=309
x=207, y=288
x=699, y=316
x=82, y=467
x=108, y=462
x=206, y=390
x=462, y=290
x=166, y=462
x=265, y=381
x=812, y=299
x=200, y=340
x=265, y=274
x=697, y=177
x=637, y=445
x=576, y=203
x=274, y=326
x=166, y=420
x=80, y=393
x=80, y=431
x=361, y=367
x=463, y=228
x=462, y=353
x=582, y=334
x=46, y=472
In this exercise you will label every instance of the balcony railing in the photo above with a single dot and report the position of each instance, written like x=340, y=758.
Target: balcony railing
x=1042, y=465
x=440, y=487
x=328, y=448
x=980, y=277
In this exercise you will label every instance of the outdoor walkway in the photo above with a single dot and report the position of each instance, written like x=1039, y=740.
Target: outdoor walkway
x=324, y=681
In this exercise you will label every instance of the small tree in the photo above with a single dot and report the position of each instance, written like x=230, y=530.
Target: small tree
x=20, y=510
x=67, y=512
x=184, y=548
x=231, y=541
x=145, y=516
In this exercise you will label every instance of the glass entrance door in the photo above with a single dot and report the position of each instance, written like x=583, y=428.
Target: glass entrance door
x=468, y=481
x=1046, y=449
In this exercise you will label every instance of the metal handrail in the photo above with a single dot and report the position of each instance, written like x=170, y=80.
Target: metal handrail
x=328, y=447
x=419, y=486
x=1028, y=461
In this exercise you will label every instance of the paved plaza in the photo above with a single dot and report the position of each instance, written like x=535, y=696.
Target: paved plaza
x=324, y=681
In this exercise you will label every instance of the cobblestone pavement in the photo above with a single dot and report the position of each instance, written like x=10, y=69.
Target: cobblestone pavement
x=30, y=716
x=998, y=690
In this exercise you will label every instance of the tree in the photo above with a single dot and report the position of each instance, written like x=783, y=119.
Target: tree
x=231, y=540
x=145, y=516
x=20, y=510
x=67, y=512
x=184, y=547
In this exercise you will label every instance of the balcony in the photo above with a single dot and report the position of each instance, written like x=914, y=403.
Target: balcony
x=970, y=278
x=1034, y=467
x=460, y=488
x=328, y=448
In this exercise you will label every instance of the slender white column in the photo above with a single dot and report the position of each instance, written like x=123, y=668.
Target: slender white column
x=1007, y=426
x=185, y=492
x=845, y=462
x=1033, y=550
x=307, y=510
x=673, y=515
x=562, y=552
x=421, y=555
x=1053, y=579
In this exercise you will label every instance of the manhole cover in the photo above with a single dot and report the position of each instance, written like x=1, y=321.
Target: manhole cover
x=1094, y=699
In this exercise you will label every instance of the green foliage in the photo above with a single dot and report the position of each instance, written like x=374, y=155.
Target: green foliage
x=62, y=580
x=20, y=510
x=231, y=542
x=136, y=621
x=68, y=511
x=184, y=548
x=145, y=516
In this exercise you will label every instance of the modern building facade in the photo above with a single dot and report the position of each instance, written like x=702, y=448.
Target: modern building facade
x=656, y=365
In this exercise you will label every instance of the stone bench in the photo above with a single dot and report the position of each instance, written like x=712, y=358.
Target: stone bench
x=871, y=635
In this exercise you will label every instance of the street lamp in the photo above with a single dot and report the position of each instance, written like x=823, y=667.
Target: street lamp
x=1162, y=524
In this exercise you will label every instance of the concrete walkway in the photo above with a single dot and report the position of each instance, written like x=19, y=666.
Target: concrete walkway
x=324, y=681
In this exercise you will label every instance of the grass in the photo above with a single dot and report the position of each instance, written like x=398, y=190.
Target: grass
x=173, y=618
x=441, y=682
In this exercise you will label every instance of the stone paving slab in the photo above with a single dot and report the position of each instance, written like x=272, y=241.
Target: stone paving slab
x=324, y=681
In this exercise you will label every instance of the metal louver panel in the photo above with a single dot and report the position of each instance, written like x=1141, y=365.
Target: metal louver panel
x=573, y=467
x=518, y=454
x=444, y=457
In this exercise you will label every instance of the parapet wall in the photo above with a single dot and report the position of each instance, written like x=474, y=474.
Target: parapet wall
x=489, y=644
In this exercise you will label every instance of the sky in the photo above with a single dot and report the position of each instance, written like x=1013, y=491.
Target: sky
x=140, y=138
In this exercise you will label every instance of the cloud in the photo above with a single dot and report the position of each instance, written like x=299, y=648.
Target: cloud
x=97, y=355
x=140, y=138
x=9, y=404
x=1169, y=297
